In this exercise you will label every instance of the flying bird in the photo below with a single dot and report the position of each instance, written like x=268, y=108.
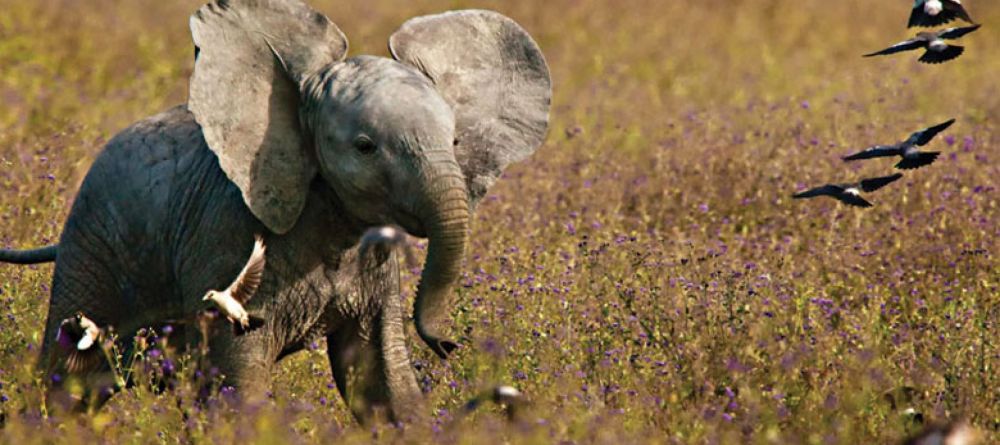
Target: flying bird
x=936, y=49
x=850, y=193
x=927, y=13
x=912, y=156
x=952, y=433
x=231, y=300
x=76, y=336
x=507, y=397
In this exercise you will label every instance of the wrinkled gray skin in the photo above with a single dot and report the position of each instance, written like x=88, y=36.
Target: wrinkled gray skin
x=269, y=143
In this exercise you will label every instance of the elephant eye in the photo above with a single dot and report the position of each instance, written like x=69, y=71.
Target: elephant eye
x=365, y=145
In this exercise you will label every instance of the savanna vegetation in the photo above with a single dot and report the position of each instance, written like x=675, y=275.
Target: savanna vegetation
x=645, y=277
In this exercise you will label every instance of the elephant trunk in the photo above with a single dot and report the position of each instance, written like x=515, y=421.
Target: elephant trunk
x=447, y=224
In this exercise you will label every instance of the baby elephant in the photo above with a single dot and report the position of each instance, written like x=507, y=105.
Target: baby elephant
x=284, y=136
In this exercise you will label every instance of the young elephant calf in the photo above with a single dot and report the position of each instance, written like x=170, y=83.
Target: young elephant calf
x=284, y=136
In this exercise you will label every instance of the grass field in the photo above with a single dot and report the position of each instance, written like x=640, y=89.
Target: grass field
x=645, y=277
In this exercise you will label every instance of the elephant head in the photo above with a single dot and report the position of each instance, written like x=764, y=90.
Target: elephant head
x=415, y=140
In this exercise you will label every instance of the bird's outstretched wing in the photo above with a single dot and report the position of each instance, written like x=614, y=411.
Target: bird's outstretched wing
x=936, y=57
x=872, y=184
x=908, y=45
x=924, y=136
x=68, y=333
x=954, y=33
x=825, y=190
x=249, y=279
x=851, y=199
x=878, y=151
x=957, y=10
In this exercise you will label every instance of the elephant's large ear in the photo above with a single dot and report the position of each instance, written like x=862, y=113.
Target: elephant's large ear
x=245, y=91
x=495, y=78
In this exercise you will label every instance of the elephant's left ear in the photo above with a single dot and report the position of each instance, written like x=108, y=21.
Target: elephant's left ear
x=496, y=80
x=252, y=55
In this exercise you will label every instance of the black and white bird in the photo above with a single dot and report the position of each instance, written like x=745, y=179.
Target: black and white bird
x=230, y=301
x=936, y=49
x=77, y=336
x=953, y=433
x=927, y=13
x=908, y=149
x=849, y=193
x=507, y=397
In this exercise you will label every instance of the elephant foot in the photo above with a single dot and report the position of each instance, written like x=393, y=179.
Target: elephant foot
x=245, y=363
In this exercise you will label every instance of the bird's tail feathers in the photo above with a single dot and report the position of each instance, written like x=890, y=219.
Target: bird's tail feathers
x=81, y=362
x=936, y=57
x=255, y=323
x=923, y=158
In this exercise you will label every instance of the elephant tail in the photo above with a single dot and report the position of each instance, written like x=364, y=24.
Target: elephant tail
x=45, y=254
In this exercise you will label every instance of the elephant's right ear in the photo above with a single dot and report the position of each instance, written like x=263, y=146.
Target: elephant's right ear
x=493, y=75
x=244, y=92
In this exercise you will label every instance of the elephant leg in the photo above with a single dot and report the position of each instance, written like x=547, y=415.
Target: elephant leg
x=244, y=362
x=397, y=371
x=354, y=363
x=373, y=371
